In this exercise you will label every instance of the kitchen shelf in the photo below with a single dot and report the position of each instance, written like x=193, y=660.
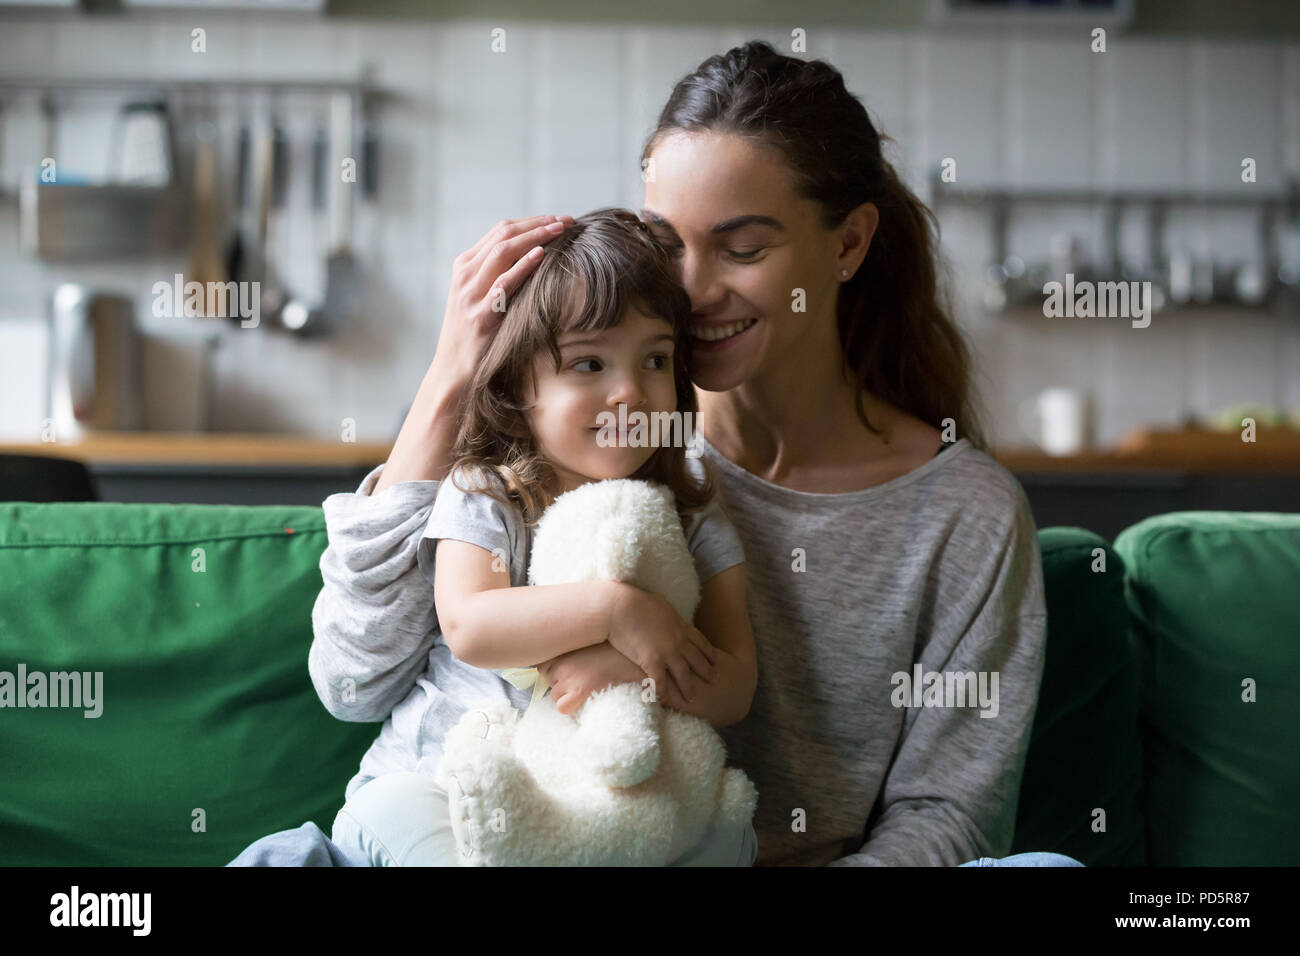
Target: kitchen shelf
x=1281, y=306
x=1246, y=196
x=128, y=83
x=198, y=448
x=1269, y=205
x=1152, y=473
x=1276, y=451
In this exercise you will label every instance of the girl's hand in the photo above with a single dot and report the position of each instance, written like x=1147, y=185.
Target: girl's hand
x=577, y=675
x=649, y=632
x=485, y=275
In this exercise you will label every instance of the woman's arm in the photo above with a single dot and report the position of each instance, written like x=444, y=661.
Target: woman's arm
x=723, y=701
x=373, y=621
x=423, y=448
x=500, y=260
x=952, y=791
x=487, y=623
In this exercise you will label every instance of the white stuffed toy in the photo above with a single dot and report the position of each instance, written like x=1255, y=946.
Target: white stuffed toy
x=626, y=780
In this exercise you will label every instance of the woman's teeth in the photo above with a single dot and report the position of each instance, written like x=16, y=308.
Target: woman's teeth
x=717, y=333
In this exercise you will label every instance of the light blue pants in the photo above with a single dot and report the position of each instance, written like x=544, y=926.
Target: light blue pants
x=1026, y=859
x=402, y=819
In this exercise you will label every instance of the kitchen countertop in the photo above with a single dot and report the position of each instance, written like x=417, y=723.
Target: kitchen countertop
x=190, y=449
x=1275, y=451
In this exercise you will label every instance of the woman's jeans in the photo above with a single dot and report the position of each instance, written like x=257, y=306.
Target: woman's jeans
x=1026, y=859
x=402, y=819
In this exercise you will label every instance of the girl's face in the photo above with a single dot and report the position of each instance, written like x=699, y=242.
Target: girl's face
x=762, y=274
x=630, y=364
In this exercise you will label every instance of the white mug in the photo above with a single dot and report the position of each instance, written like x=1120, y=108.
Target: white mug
x=1058, y=420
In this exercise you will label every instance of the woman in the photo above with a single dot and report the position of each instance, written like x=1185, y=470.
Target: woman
x=884, y=546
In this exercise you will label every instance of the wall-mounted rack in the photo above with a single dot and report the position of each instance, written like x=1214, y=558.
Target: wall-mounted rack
x=1157, y=202
x=366, y=96
x=1242, y=196
x=73, y=219
x=201, y=95
x=56, y=84
x=1271, y=205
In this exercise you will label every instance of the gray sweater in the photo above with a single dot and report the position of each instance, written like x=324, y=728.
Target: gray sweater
x=849, y=595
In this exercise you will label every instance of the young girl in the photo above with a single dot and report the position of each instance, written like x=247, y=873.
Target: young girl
x=600, y=325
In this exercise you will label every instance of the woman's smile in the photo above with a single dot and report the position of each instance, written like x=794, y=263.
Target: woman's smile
x=715, y=336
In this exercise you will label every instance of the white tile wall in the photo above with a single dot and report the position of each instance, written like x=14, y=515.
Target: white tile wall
x=967, y=105
x=556, y=124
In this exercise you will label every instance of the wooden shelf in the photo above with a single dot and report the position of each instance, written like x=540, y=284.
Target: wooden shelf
x=1274, y=451
x=183, y=448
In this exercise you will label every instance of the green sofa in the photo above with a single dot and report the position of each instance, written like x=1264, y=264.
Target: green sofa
x=210, y=735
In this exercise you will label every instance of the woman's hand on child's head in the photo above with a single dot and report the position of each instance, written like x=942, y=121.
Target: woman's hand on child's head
x=648, y=631
x=483, y=278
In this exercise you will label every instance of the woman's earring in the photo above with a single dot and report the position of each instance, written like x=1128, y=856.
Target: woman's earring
x=844, y=272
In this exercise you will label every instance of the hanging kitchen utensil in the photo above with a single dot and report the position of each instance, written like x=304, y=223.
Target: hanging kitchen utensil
x=370, y=158
x=260, y=296
x=304, y=312
x=4, y=185
x=206, y=265
x=252, y=272
x=272, y=295
x=342, y=272
x=1156, y=271
x=320, y=157
x=1254, y=280
x=341, y=268
x=301, y=313
x=236, y=247
x=142, y=151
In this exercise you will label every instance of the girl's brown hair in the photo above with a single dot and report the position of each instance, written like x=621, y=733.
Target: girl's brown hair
x=895, y=330
x=589, y=276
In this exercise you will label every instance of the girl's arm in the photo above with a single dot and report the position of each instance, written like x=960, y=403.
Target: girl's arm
x=724, y=701
x=487, y=623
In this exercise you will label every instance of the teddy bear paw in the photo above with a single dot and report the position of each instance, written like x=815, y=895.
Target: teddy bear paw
x=618, y=736
x=478, y=786
x=737, y=799
x=460, y=814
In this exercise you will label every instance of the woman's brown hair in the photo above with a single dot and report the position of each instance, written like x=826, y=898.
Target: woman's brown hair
x=589, y=276
x=895, y=330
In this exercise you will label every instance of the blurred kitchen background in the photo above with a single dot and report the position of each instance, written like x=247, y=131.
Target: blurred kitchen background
x=142, y=141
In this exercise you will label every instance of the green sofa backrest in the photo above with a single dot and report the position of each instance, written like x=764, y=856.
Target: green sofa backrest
x=1215, y=602
x=1081, y=794
x=211, y=734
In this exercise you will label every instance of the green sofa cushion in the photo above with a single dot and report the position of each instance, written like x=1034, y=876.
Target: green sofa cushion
x=1084, y=752
x=1215, y=598
x=206, y=700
